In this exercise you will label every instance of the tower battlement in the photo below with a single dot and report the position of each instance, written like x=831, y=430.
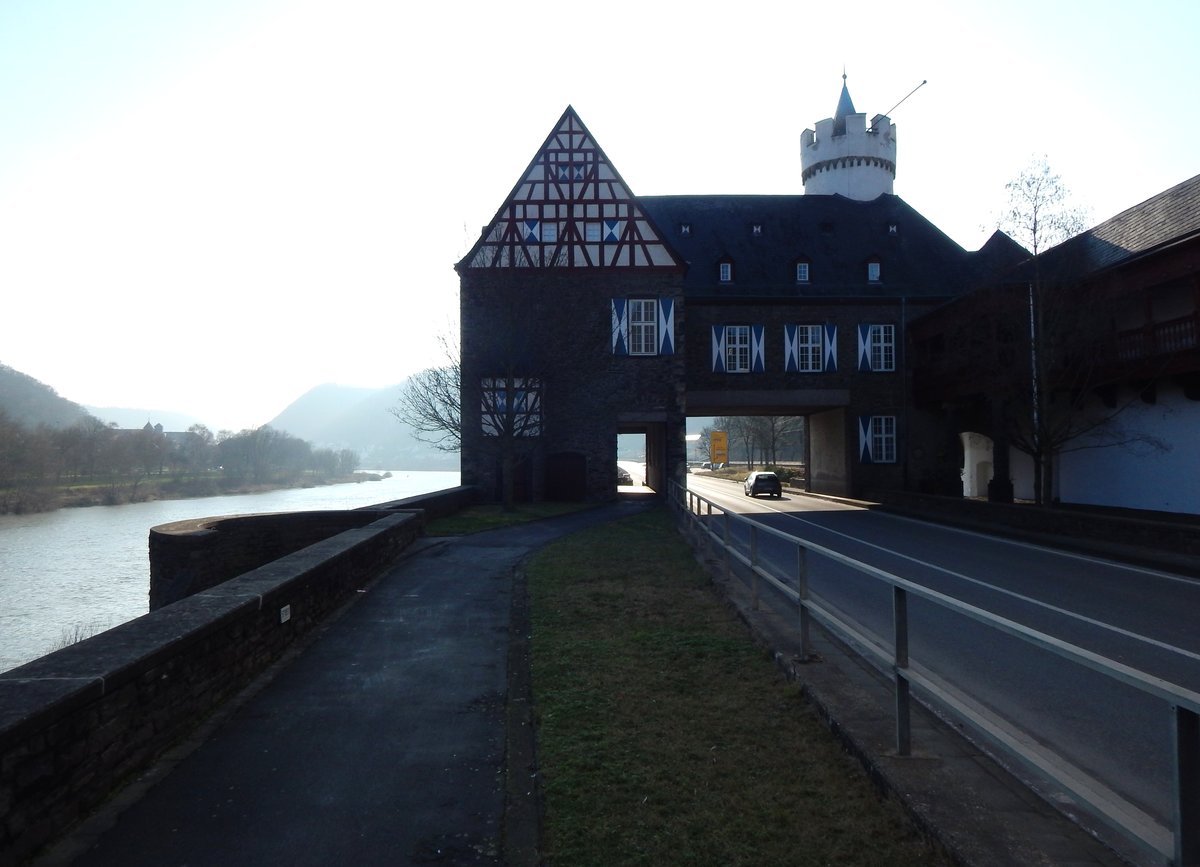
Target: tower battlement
x=845, y=156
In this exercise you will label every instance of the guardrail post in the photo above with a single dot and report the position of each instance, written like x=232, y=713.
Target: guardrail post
x=725, y=546
x=802, y=602
x=754, y=565
x=1186, y=732
x=900, y=637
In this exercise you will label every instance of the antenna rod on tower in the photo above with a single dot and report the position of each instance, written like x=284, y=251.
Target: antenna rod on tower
x=888, y=113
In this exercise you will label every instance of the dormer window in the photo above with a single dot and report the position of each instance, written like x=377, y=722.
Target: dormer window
x=725, y=272
x=873, y=271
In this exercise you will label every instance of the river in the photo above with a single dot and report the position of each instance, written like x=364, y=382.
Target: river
x=74, y=572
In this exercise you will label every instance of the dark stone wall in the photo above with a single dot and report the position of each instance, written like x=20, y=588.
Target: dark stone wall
x=557, y=325
x=189, y=556
x=832, y=400
x=76, y=723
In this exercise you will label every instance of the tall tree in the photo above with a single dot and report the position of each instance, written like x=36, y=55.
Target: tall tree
x=1047, y=330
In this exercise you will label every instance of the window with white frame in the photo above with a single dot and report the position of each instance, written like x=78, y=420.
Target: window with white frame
x=883, y=439
x=883, y=347
x=643, y=326
x=737, y=348
x=725, y=270
x=801, y=272
x=809, y=348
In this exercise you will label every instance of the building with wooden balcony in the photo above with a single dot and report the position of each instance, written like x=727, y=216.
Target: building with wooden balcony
x=1117, y=355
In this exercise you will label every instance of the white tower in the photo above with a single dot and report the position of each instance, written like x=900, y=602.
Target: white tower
x=844, y=156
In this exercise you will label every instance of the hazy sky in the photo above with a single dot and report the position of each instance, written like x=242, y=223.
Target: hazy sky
x=210, y=206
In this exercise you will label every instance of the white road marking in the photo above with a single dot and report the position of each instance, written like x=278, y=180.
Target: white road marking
x=1162, y=645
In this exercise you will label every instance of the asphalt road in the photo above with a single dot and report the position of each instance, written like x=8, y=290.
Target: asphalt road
x=1139, y=617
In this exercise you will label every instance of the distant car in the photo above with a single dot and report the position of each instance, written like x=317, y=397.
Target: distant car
x=763, y=482
x=706, y=465
x=623, y=477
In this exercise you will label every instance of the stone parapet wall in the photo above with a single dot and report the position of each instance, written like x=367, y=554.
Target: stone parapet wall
x=189, y=556
x=79, y=722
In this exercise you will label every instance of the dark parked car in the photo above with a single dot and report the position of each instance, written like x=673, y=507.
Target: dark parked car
x=763, y=482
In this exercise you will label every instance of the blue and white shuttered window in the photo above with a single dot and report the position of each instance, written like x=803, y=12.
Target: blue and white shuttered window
x=877, y=439
x=738, y=349
x=809, y=348
x=643, y=326
x=877, y=348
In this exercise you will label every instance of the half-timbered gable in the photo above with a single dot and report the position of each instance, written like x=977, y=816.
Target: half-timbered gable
x=573, y=286
x=571, y=209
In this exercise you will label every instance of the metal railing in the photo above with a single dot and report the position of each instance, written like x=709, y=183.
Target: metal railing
x=1180, y=843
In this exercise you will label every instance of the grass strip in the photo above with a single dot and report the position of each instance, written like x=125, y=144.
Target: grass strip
x=475, y=519
x=665, y=735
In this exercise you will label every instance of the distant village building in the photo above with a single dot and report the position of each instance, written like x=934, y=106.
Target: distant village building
x=588, y=312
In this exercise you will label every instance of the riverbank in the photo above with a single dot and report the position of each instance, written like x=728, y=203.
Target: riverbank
x=151, y=489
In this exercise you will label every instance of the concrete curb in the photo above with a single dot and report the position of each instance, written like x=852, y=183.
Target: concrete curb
x=962, y=800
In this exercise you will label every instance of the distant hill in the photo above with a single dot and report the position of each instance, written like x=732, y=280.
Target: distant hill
x=129, y=419
x=344, y=417
x=32, y=403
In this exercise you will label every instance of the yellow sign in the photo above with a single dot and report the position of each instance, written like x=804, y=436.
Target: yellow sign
x=718, y=447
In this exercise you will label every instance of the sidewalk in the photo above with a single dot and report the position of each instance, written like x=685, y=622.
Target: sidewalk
x=382, y=741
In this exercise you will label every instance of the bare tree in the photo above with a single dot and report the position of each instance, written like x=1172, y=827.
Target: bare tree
x=741, y=433
x=510, y=410
x=431, y=401
x=770, y=432
x=1047, y=364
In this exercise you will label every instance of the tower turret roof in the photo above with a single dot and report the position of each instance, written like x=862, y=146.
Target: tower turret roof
x=845, y=108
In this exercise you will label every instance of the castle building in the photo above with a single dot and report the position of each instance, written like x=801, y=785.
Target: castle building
x=588, y=311
x=843, y=156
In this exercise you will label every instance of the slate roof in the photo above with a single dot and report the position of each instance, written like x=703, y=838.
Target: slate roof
x=1162, y=219
x=845, y=108
x=837, y=236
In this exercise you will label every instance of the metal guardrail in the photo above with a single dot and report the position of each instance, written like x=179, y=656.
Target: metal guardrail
x=1180, y=844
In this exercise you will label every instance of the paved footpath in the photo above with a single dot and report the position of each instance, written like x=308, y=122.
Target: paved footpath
x=380, y=742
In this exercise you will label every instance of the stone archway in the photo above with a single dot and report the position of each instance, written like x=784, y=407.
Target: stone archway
x=977, y=466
